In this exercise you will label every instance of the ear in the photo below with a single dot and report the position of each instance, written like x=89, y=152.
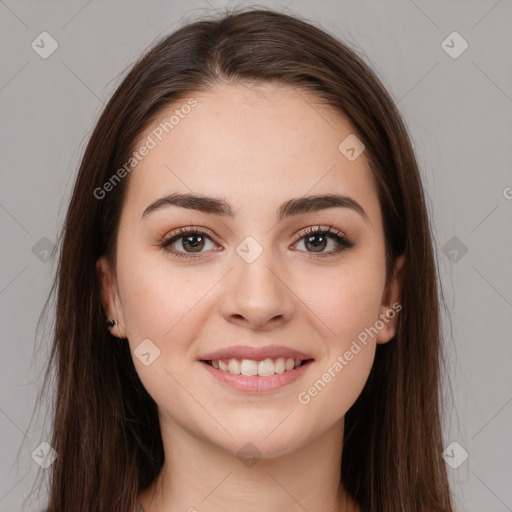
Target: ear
x=390, y=306
x=110, y=297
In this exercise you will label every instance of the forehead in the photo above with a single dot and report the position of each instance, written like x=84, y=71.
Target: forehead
x=255, y=145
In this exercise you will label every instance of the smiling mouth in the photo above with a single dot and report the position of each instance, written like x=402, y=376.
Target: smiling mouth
x=257, y=368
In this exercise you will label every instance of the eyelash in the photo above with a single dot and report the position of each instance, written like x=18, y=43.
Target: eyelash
x=337, y=235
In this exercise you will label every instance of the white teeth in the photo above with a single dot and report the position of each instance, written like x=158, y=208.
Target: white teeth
x=234, y=366
x=266, y=368
x=290, y=363
x=279, y=365
x=249, y=367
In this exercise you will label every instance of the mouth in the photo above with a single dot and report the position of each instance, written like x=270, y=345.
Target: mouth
x=256, y=369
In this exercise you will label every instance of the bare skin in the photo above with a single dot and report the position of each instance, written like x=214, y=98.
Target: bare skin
x=256, y=147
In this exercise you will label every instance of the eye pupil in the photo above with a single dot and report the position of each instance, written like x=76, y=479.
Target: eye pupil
x=316, y=245
x=197, y=245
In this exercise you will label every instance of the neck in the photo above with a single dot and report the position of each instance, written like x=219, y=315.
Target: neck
x=199, y=476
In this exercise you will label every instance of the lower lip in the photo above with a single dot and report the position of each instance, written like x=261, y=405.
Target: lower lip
x=255, y=383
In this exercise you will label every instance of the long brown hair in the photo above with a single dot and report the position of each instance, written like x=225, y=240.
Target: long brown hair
x=105, y=427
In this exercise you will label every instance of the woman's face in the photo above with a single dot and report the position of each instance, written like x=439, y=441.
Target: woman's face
x=255, y=284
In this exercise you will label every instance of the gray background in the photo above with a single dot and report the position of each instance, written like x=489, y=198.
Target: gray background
x=458, y=112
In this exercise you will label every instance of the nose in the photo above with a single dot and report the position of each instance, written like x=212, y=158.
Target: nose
x=256, y=294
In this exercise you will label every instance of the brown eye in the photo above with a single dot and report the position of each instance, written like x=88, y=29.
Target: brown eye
x=193, y=241
x=316, y=240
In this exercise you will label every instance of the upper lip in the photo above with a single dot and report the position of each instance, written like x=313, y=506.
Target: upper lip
x=254, y=353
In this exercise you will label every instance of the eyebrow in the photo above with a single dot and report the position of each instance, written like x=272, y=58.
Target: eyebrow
x=218, y=206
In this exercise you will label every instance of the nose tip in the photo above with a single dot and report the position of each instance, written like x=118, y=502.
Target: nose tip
x=257, y=322
x=256, y=297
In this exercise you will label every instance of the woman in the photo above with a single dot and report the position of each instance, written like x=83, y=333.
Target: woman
x=247, y=298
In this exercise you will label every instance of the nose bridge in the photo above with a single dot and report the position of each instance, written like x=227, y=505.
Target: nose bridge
x=256, y=290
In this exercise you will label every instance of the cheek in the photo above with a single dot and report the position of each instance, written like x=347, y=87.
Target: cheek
x=158, y=299
x=345, y=302
x=337, y=385
x=347, y=307
x=167, y=304
x=162, y=304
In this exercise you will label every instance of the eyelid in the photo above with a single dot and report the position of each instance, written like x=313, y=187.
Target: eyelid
x=188, y=229
x=328, y=229
x=340, y=238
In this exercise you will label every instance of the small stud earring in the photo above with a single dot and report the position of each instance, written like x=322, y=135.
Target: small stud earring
x=111, y=323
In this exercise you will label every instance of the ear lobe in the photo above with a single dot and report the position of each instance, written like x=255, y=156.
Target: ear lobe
x=391, y=305
x=109, y=297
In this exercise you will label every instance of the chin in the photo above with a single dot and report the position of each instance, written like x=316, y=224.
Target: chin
x=260, y=444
